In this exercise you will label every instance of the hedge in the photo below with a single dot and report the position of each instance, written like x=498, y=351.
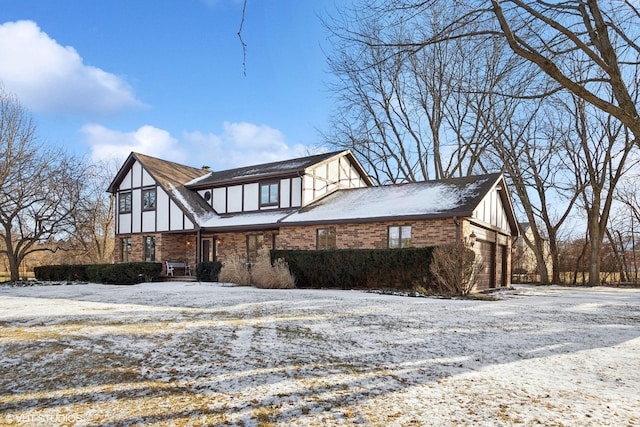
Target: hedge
x=127, y=273
x=70, y=272
x=402, y=269
x=208, y=271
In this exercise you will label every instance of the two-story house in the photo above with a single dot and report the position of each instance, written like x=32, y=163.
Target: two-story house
x=172, y=212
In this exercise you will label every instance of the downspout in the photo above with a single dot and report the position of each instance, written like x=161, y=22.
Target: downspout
x=198, y=245
x=458, y=234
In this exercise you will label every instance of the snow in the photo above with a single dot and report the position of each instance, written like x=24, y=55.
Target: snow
x=425, y=198
x=215, y=354
x=198, y=179
x=267, y=217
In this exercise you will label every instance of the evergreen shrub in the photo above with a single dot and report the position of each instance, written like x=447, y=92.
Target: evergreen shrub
x=64, y=272
x=401, y=269
x=127, y=273
x=208, y=271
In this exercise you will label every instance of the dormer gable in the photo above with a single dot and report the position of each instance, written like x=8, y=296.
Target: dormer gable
x=280, y=185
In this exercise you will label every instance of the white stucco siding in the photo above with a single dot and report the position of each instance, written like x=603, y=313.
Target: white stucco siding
x=220, y=200
x=320, y=171
x=124, y=223
x=285, y=193
x=345, y=172
x=176, y=217
x=251, y=197
x=333, y=171
x=136, y=209
x=307, y=189
x=147, y=179
x=491, y=211
x=136, y=174
x=355, y=179
x=188, y=225
x=296, y=192
x=148, y=221
x=162, y=210
x=234, y=198
x=126, y=182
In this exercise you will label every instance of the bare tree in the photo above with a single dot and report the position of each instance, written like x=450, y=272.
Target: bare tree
x=587, y=47
x=93, y=219
x=413, y=115
x=583, y=50
x=39, y=187
x=624, y=227
x=598, y=150
x=527, y=145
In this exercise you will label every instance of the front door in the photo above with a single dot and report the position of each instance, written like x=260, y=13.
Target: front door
x=207, y=250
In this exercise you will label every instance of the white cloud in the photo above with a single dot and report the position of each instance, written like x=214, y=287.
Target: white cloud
x=51, y=78
x=239, y=144
x=107, y=144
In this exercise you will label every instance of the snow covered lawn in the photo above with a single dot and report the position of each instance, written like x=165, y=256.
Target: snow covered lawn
x=207, y=354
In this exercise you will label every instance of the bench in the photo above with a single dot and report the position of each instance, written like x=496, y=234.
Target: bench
x=171, y=266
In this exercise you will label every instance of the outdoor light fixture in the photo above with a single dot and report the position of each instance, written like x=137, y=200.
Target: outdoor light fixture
x=471, y=240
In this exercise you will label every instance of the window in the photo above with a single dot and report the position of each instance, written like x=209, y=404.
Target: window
x=269, y=194
x=399, y=236
x=254, y=244
x=125, y=202
x=326, y=238
x=149, y=199
x=149, y=248
x=126, y=249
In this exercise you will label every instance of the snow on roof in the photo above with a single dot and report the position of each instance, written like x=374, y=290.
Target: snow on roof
x=193, y=203
x=198, y=179
x=246, y=219
x=415, y=199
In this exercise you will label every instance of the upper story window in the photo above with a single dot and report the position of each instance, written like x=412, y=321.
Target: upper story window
x=149, y=199
x=326, y=238
x=399, y=236
x=269, y=194
x=125, y=202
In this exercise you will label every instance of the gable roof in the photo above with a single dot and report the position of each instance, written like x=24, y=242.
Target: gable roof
x=166, y=173
x=455, y=197
x=273, y=170
x=427, y=199
x=171, y=177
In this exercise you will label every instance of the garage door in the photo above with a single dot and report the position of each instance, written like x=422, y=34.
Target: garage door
x=486, y=278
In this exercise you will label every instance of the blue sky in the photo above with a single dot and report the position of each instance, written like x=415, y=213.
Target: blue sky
x=165, y=78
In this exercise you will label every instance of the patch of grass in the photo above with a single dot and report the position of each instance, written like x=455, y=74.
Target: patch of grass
x=264, y=415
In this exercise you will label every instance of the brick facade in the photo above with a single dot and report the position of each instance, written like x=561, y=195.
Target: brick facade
x=230, y=244
x=495, y=251
x=371, y=235
x=168, y=247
